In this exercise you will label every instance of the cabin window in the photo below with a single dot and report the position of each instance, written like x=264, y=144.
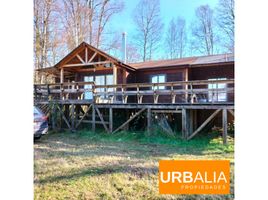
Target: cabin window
x=160, y=78
x=88, y=94
x=106, y=79
x=217, y=91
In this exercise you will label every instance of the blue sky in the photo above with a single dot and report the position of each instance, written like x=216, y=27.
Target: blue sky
x=123, y=22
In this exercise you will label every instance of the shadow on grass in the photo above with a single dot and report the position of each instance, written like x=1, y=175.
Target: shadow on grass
x=133, y=144
x=104, y=170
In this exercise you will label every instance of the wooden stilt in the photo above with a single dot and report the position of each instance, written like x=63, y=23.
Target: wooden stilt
x=232, y=112
x=63, y=116
x=195, y=119
x=101, y=118
x=53, y=116
x=190, y=121
x=72, y=116
x=224, y=125
x=126, y=127
x=85, y=113
x=184, y=123
x=204, y=124
x=149, y=120
x=129, y=120
x=93, y=118
x=110, y=119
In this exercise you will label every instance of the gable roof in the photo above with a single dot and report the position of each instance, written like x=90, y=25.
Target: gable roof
x=183, y=62
x=80, y=47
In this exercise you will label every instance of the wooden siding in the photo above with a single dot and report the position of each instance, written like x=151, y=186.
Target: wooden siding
x=145, y=76
x=213, y=72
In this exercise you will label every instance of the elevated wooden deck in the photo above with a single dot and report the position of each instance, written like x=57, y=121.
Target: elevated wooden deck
x=183, y=92
x=74, y=101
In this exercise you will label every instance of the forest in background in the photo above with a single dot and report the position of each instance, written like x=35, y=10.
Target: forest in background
x=61, y=25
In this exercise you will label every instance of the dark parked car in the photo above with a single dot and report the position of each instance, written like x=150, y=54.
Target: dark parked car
x=40, y=123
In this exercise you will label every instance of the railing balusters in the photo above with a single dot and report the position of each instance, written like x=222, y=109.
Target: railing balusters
x=182, y=89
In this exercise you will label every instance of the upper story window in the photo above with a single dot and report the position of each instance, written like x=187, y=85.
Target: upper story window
x=159, y=78
x=217, y=91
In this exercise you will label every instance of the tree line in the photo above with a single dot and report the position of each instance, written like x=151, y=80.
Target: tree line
x=61, y=25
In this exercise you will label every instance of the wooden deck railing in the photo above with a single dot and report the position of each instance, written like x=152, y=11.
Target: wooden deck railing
x=191, y=92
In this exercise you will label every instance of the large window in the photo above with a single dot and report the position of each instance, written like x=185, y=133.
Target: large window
x=106, y=79
x=160, y=78
x=217, y=91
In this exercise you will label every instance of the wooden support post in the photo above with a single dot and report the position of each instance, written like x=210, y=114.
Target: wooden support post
x=204, y=124
x=53, y=116
x=184, y=123
x=224, y=125
x=85, y=113
x=190, y=121
x=72, y=116
x=61, y=75
x=126, y=127
x=129, y=120
x=93, y=118
x=115, y=80
x=232, y=112
x=195, y=119
x=63, y=117
x=111, y=119
x=186, y=85
x=101, y=118
x=86, y=55
x=149, y=120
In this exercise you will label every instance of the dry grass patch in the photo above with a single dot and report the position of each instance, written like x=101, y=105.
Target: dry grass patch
x=86, y=166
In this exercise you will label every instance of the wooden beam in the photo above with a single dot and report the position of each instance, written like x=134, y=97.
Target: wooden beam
x=82, y=61
x=85, y=113
x=149, y=120
x=61, y=75
x=64, y=118
x=232, y=112
x=101, y=118
x=184, y=124
x=93, y=118
x=114, y=75
x=53, y=116
x=110, y=119
x=96, y=122
x=204, y=124
x=86, y=55
x=189, y=121
x=72, y=116
x=94, y=55
x=224, y=125
x=87, y=64
x=166, y=111
x=129, y=120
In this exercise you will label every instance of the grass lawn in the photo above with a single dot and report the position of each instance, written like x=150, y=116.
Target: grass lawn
x=84, y=165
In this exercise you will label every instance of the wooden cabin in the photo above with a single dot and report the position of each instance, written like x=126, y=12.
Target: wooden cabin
x=197, y=87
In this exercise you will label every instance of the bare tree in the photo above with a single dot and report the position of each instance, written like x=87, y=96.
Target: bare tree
x=225, y=20
x=203, y=30
x=107, y=9
x=42, y=21
x=175, y=42
x=149, y=27
x=86, y=20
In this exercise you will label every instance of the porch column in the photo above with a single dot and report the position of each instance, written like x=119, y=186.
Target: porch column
x=61, y=75
x=186, y=85
x=114, y=75
x=224, y=125
x=115, y=80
